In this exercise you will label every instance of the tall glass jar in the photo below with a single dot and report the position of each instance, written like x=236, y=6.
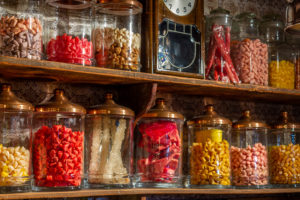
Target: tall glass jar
x=15, y=145
x=249, y=156
x=209, y=143
x=248, y=51
x=219, y=66
x=108, y=145
x=158, y=148
x=284, y=153
x=21, y=29
x=117, y=34
x=58, y=139
x=68, y=31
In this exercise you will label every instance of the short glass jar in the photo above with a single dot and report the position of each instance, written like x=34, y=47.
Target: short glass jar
x=21, y=29
x=208, y=144
x=117, y=34
x=249, y=154
x=68, y=31
x=15, y=145
x=284, y=153
x=158, y=148
x=58, y=141
x=109, y=145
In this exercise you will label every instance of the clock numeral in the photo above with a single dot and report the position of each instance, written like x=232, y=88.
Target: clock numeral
x=190, y=4
x=177, y=11
x=165, y=1
x=170, y=6
x=184, y=9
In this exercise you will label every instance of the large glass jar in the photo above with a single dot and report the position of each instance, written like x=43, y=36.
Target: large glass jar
x=158, y=148
x=21, y=29
x=117, y=34
x=68, y=31
x=248, y=51
x=219, y=66
x=249, y=156
x=108, y=145
x=284, y=153
x=209, y=143
x=57, y=159
x=15, y=145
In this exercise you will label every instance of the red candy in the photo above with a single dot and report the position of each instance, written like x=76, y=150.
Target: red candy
x=57, y=157
x=67, y=49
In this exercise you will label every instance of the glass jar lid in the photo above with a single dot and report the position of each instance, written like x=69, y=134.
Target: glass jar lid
x=70, y=4
x=119, y=7
x=110, y=108
x=160, y=110
x=248, y=25
x=283, y=122
x=246, y=121
x=209, y=118
x=60, y=103
x=9, y=101
x=272, y=28
x=220, y=16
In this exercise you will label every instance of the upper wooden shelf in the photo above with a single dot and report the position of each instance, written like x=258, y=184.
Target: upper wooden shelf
x=24, y=68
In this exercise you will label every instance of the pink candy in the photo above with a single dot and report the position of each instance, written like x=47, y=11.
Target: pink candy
x=249, y=165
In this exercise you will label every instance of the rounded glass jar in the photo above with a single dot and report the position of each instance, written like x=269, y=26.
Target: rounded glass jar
x=108, y=145
x=209, y=143
x=68, y=31
x=249, y=156
x=117, y=34
x=248, y=51
x=58, y=141
x=21, y=29
x=284, y=153
x=15, y=145
x=158, y=148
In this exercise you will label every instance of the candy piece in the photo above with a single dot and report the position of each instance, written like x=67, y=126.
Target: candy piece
x=214, y=134
x=282, y=74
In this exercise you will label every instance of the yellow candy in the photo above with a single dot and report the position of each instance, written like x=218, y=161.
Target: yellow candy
x=214, y=134
x=282, y=74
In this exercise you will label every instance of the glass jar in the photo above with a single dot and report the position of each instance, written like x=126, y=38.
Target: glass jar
x=109, y=142
x=209, y=143
x=249, y=157
x=68, y=31
x=15, y=137
x=284, y=153
x=158, y=148
x=117, y=34
x=248, y=51
x=219, y=66
x=21, y=29
x=58, y=128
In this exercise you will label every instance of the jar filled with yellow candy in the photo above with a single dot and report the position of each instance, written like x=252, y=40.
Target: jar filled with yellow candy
x=284, y=153
x=209, y=156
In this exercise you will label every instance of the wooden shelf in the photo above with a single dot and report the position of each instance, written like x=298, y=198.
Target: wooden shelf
x=24, y=68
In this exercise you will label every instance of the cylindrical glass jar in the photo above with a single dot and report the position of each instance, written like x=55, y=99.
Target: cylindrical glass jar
x=219, y=66
x=108, y=145
x=158, y=148
x=284, y=153
x=58, y=141
x=15, y=145
x=249, y=156
x=21, y=29
x=209, y=143
x=117, y=34
x=68, y=31
x=248, y=52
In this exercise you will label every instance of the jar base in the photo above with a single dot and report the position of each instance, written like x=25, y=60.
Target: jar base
x=211, y=186
x=285, y=185
x=251, y=186
x=45, y=189
x=15, y=189
x=107, y=186
x=157, y=185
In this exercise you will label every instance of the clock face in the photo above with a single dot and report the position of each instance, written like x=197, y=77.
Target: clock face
x=180, y=7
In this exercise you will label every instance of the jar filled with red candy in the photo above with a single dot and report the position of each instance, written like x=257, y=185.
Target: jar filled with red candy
x=58, y=144
x=158, y=148
x=68, y=32
x=108, y=152
x=249, y=153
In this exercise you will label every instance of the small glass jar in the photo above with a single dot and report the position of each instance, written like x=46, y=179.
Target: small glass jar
x=117, y=34
x=68, y=31
x=249, y=156
x=21, y=29
x=248, y=51
x=209, y=143
x=108, y=145
x=219, y=66
x=15, y=145
x=284, y=153
x=58, y=138
x=158, y=148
